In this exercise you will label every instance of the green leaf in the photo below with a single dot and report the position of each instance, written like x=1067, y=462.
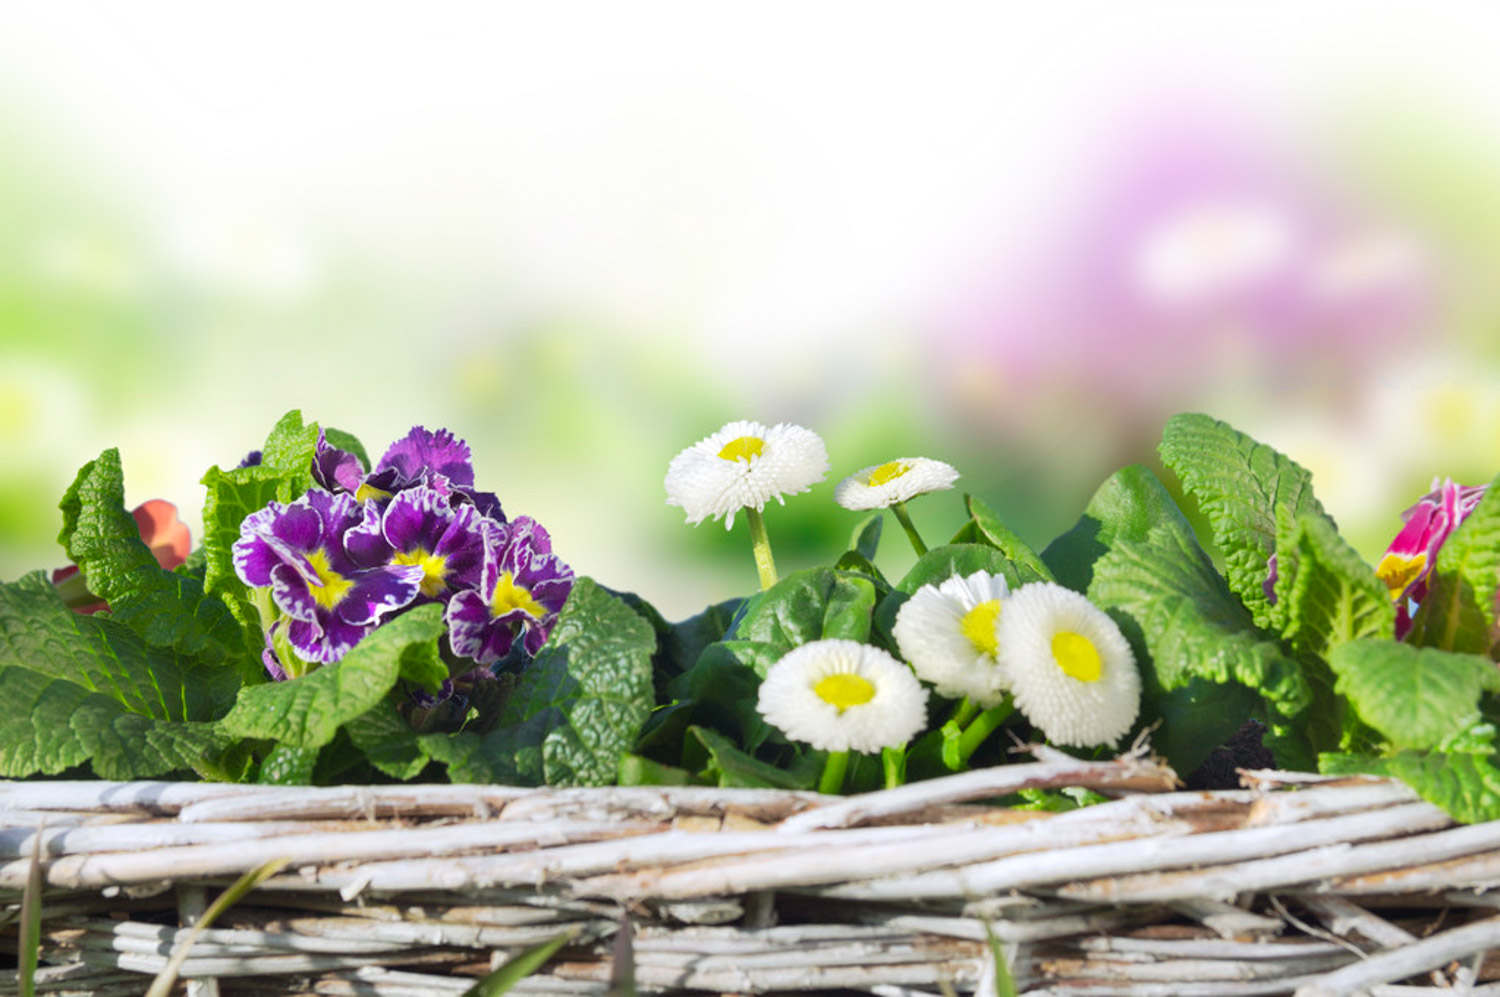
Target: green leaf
x=39, y=633
x=1238, y=483
x=348, y=442
x=52, y=724
x=1126, y=506
x=637, y=770
x=290, y=451
x=231, y=496
x=1325, y=593
x=949, y=560
x=1458, y=612
x=865, y=540
x=307, y=712
x=806, y=606
x=1173, y=603
x=730, y=766
x=388, y=741
x=1416, y=697
x=288, y=766
x=577, y=707
x=1196, y=718
x=1003, y=539
x=519, y=967
x=1466, y=785
x=166, y=608
x=723, y=686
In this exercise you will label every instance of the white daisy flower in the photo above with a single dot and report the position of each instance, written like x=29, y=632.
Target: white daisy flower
x=744, y=465
x=948, y=633
x=881, y=485
x=841, y=695
x=1071, y=670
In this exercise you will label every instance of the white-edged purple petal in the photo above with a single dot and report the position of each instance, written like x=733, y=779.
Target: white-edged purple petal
x=336, y=470
x=378, y=592
x=253, y=556
x=421, y=451
x=365, y=543
x=325, y=641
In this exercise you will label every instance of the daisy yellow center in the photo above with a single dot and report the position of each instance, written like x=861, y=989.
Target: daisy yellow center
x=508, y=596
x=434, y=569
x=743, y=448
x=332, y=586
x=843, y=690
x=1077, y=656
x=1398, y=571
x=978, y=624
x=887, y=472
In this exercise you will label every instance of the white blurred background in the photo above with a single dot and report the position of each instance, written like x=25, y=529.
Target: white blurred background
x=583, y=236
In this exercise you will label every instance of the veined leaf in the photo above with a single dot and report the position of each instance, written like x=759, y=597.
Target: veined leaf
x=1458, y=613
x=388, y=741
x=576, y=708
x=167, y=609
x=1416, y=697
x=1189, y=622
x=1125, y=507
x=1465, y=784
x=1239, y=483
x=1326, y=594
x=733, y=767
x=805, y=606
x=307, y=712
x=290, y=450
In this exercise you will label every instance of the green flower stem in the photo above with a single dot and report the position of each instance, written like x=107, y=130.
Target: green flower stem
x=898, y=509
x=957, y=749
x=761, y=544
x=893, y=760
x=833, y=773
x=962, y=713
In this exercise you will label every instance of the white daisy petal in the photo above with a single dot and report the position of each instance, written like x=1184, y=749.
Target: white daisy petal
x=841, y=695
x=744, y=465
x=1072, y=672
x=881, y=485
x=948, y=633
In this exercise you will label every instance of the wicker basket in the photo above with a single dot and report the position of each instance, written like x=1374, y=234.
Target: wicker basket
x=1295, y=884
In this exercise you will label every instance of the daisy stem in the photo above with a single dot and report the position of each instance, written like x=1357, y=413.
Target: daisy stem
x=893, y=760
x=898, y=509
x=961, y=737
x=761, y=544
x=832, y=781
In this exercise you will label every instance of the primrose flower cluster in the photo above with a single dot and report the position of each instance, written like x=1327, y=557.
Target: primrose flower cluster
x=1043, y=649
x=362, y=546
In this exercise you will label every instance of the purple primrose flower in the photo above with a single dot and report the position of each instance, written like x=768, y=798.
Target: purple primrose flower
x=522, y=587
x=298, y=549
x=419, y=527
x=436, y=459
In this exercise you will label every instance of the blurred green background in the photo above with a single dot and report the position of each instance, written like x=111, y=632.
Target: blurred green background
x=585, y=237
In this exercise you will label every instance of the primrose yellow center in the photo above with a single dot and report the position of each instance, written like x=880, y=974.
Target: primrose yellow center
x=978, y=624
x=743, y=448
x=332, y=586
x=434, y=569
x=1398, y=571
x=843, y=690
x=508, y=596
x=887, y=472
x=365, y=493
x=1076, y=656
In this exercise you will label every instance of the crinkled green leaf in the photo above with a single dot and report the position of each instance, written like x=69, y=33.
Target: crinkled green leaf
x=288, y=766
x=307, y=712
x=231, y=496
x=1458, y=613
x=39, y=632
x=577, y=707
x=51, y=724
x=1238, y=483
x=995, y=533
x=723, y=686
x=166, y=608
x=388, y=741
x=1416, y=697
x=730, y=766
x=1466, y=785
x=1125, y=507
x=290, y=450
x=1325, y=593
x=1189, y=622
